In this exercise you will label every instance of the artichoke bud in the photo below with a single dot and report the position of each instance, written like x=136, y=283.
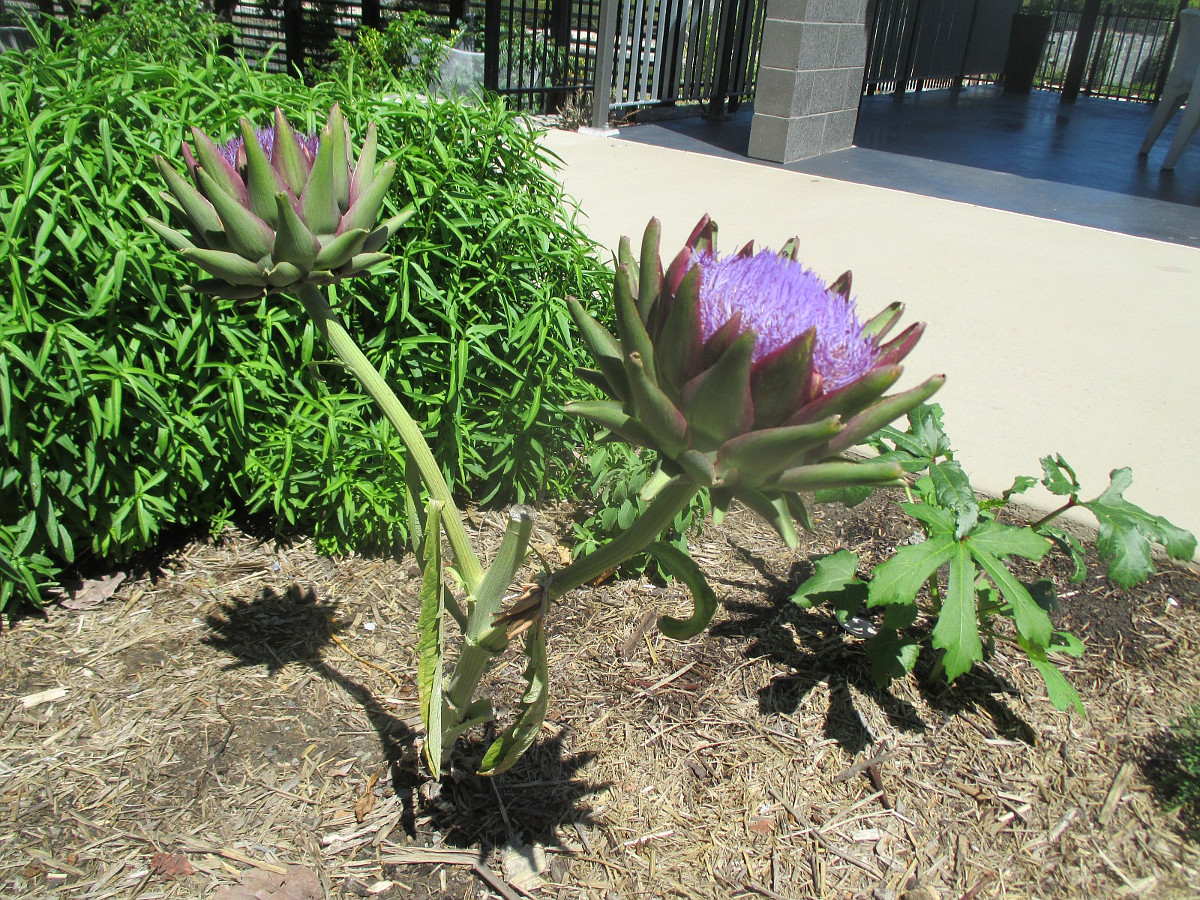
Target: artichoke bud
x=746, y=373
x=272, y=209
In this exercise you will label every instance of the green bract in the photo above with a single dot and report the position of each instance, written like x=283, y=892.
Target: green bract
x=272, y=210
x=757, y=415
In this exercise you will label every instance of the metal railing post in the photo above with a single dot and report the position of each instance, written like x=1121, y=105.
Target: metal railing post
x=605, y=51
x=1080, y=52
x=491, y=45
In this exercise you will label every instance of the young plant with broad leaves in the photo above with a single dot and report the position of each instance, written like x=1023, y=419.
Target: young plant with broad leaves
x=964, y=540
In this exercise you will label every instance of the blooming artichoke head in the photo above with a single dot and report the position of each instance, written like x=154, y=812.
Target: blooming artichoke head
x=746, y=373
x=270, y=209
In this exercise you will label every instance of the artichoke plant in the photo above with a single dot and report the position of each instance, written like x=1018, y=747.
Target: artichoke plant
x=271, y=210
x=747, y=374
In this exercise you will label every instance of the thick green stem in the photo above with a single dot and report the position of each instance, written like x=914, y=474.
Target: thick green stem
x=671, y=500
x=331, y=328
x=478, y=651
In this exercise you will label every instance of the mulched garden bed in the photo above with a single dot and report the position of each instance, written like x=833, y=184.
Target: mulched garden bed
x=242, y=722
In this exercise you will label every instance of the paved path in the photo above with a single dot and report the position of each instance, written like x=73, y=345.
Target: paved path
x=1053, y=337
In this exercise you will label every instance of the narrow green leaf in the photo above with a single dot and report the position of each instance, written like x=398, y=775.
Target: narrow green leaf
x=957, y=628
x=1032, y=622
x=431, y=640
x=519, y=736
x=509, y=558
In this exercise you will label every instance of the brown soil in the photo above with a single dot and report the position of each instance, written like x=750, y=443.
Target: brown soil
x=242, y=722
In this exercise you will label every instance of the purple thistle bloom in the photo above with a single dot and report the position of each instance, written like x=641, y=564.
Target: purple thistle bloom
x=779, y=300
x=232, y=148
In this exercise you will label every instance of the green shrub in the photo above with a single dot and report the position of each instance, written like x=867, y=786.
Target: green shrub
x=131, y=405
x=405, y=54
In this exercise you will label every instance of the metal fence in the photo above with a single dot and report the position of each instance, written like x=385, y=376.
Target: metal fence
x=537, y=53
x=661, y=52
x=931, y=44
x=1129, y=54
x=915, y=45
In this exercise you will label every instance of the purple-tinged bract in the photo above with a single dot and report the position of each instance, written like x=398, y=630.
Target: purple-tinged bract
x=271, y=210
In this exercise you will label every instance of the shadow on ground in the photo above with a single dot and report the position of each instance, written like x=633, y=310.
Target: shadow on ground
x=467, y=810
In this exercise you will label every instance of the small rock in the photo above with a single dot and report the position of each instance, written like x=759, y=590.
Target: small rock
x=523, y=864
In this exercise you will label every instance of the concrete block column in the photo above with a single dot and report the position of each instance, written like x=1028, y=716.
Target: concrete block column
x=810, y=72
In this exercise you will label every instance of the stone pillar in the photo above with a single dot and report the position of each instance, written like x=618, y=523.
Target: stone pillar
x=810, y=72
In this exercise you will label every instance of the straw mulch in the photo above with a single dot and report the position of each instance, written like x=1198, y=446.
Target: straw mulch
x=241, y=721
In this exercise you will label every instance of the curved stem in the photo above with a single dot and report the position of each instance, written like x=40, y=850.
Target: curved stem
x=331, y=328
x=670, y=501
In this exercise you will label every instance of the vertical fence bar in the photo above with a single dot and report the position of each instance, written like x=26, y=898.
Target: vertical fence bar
x=605, y=46
x=1096, y=56
x=293, y=36
x=1080, y=52
x=491, y=45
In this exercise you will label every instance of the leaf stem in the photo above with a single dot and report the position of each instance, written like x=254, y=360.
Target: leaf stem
x=1073, y=500
x=332, y=329
x=670, y=501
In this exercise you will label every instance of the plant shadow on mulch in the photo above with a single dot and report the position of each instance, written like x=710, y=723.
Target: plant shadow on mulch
x=466, y=810
x=818, y=649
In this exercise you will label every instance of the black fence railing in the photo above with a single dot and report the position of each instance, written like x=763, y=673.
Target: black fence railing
x=1129, y=53
x=536, y=53
x=918, y=45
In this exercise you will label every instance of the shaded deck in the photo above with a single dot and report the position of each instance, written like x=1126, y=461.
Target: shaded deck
x=1033, y=155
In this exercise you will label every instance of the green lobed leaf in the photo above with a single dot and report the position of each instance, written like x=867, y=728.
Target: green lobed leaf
x=900, y=578
x=954, y=492
x=831, y=573
x=1126, y=531
x=891, y=656
x=1058, y=477
x=999, y=540
x=1032, y=622
x=957, y=628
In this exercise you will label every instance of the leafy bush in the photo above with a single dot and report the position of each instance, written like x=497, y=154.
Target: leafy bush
x=404, y=55
x=131, y=405
x=981, y=603
x=617, y=473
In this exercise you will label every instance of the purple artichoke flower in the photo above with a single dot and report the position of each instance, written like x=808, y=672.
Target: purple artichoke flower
x=271, y=209
x=746, y=372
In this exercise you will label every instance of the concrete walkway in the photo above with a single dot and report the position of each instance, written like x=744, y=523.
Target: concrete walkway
x=1054, y=338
